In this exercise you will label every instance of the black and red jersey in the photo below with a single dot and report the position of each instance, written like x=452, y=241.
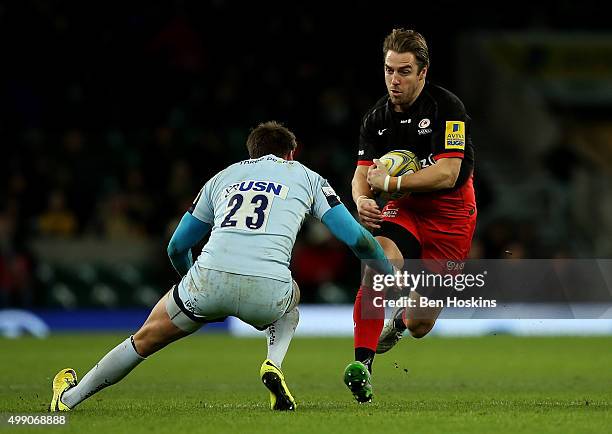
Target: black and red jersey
x=435, y=126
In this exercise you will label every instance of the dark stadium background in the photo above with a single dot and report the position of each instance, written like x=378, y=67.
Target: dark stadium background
x=112, y=116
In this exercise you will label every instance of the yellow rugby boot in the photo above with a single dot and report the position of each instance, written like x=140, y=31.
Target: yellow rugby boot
x=273, y=379
x=63, y=380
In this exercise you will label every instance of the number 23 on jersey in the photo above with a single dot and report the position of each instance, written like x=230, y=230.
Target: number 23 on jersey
x=249, y=204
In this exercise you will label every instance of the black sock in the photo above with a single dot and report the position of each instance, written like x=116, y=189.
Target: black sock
x=365, y=356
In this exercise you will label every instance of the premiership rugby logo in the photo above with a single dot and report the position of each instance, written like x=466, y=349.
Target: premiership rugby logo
x=330, y=195
x=328, y=191
x=454, y=136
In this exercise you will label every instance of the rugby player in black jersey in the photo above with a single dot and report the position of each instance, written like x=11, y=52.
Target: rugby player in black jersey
x=437, y=219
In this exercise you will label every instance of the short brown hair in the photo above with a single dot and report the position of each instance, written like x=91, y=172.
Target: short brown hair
x=407, y=41
x=270, y=138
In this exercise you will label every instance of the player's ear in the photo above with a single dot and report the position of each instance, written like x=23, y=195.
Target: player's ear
x=290, y=155
x=423, y=73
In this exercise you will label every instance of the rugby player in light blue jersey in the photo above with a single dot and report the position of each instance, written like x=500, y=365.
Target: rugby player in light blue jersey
x=254, y=209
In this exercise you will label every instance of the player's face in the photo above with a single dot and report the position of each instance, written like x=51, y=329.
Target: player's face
x=403, y=82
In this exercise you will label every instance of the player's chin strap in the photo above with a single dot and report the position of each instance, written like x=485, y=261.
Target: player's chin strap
x=388, y=179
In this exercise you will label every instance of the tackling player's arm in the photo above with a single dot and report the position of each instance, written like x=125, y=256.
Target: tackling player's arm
x=343, y=226
x=188, y=233
x=194, y=225
x=326, y=206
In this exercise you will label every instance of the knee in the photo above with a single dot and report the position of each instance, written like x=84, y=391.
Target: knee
x=419, y=329
x=144, y=341
x=296, y=293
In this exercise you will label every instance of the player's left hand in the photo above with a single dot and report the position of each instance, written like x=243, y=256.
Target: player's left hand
x=376, y=175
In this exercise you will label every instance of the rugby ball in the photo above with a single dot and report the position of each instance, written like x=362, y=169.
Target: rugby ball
x=399, y=162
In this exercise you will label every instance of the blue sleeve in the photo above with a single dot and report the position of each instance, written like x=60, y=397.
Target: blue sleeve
x=343, y=226
x=188, y=233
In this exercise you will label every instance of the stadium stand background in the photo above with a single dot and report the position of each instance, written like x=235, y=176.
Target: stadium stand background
x=111, y=119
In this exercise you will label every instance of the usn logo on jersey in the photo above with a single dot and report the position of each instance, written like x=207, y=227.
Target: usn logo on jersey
x=454, y=137
x=274, y=188
x=249, y=203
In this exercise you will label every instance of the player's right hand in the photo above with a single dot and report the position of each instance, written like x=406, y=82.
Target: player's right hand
x=369, y=213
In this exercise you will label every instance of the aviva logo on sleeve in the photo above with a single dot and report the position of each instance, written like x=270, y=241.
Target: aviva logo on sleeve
x=454, y=137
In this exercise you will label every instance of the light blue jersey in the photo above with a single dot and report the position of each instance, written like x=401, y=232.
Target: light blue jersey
x=256, y=208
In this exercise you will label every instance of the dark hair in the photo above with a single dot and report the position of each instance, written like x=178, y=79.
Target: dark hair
x=270, y=138
x=407, y=41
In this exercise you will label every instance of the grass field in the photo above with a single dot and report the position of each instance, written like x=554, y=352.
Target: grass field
x=211, y=384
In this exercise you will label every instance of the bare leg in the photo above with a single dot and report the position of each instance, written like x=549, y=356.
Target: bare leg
x=157, y=331
x=420, y=320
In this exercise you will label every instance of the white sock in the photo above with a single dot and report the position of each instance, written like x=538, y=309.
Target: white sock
x=279, y=335
x=115, y=365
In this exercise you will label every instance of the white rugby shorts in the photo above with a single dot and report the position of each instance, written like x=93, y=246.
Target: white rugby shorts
x=205, y=296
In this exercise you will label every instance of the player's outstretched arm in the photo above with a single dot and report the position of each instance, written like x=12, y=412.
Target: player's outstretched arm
x=343, y=226
x=188, y=233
